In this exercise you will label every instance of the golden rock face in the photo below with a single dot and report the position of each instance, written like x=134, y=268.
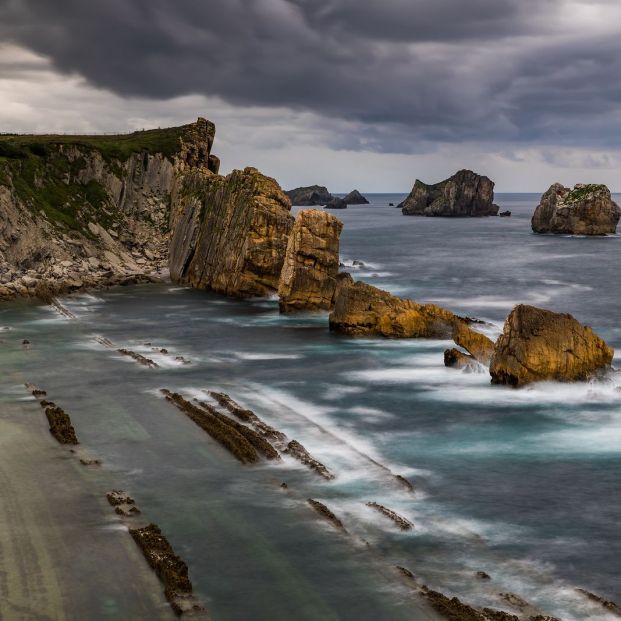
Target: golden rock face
x=538, y=345
x=308, y=277
x=230, y=233
x=479, y=346
x=362, y=309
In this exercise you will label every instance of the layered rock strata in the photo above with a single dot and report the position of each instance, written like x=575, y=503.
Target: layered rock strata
x=538, y=345
x=585, y=210
x=229, y=233
x=89, y=211
x=308, y=277
x=361, y=309
x=465, y=194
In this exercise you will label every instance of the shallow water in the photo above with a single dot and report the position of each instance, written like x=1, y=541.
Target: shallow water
x=520, y=484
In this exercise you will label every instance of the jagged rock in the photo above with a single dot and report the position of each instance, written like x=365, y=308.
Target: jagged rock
x=230, y=233
x=336, y=203
x=60, y=425
x=463, y=194
x=609, y=605
x=504, y=214
x=479, y=346
x=399, y=520
x=326, y=513
x=538, y=345
x=309, y=196
x=361, y=309
x=585, y=210
x=355, y=198
x=454, y=609
x=456, y=359
x=308, y=277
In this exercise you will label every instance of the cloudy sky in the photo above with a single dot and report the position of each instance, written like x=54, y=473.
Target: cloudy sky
x=346, y=93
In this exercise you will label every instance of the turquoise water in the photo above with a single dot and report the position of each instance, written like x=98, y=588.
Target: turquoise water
x=520, y=484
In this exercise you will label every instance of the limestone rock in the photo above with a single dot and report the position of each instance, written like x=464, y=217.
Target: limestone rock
x=361, y=309
x=463, y=194
x=538, y=345
x=585, y=210
x=336, y=203
x=229, y=233
x=479, y=346
x=355, y=198
x=308, y=277
x=309, y=196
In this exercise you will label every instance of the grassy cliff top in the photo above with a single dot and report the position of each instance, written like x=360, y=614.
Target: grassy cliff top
x=112, y=146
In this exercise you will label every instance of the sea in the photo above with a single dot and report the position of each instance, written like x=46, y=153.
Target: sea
x=520, y=484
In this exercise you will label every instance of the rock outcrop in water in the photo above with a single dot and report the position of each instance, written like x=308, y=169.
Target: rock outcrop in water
x=585, y=210
x=229, y=233
x=465, y=194
x=80, y=211
x=538, y=345
x=361, y=309
x=336, y=203
x=478, y=346
x=310, y=196
x=355, y=198
x=308, y=277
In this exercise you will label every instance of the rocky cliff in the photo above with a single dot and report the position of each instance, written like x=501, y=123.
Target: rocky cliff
x=585, y=210
x=465, y=194
x=89, y=210
x=355, y=198
x=308, y=277
x=361, y=309
x=538, y=345
x=309, y=196
x=230, y=233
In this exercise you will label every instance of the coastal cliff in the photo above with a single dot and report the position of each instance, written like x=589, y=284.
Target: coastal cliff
x=91, y=210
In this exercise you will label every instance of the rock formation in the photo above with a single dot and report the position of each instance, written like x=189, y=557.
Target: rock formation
x=463, y=194
x=538, y=345
x=479, y=346
x=336, y=203
x=79, y=211
x=355, y=198
x=310, y=196
x=361, y=309
x=229, y=233
x=585, y=210
x=308, y=277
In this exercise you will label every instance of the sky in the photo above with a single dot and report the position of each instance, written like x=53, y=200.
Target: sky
x=367, y=94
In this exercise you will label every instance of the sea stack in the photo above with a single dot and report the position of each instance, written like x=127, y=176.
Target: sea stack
x=355, y=198
x=308, y=277
x=585, y=210
x=336, y=203
x=309, y=196
x=538, y=345
x=465, y=194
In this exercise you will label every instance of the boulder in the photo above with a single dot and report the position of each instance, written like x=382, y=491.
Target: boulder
x=309, y=196
x=355, y=198
x=585, y=210
x=479, y=346
x=505, y=214
x=464, y=194
x=336, y=203
x=361, y=309
x=308, y=277
x=538, y=345
x=229, y=233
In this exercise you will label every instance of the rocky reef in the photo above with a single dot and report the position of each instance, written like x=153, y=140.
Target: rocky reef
x=480, y=348
x=309, y=196
x=308, y=277
x=336, y=203
x=361, y=309
x=80, y=211
x=585, y=210
x=465, y=194
x=229, y=233
x=538, y=345
x=355, y=198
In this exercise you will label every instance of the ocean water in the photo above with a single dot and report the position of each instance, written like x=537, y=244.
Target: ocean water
x=521, y=484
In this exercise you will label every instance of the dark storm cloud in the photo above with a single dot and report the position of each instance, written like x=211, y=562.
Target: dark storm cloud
x=395, y=71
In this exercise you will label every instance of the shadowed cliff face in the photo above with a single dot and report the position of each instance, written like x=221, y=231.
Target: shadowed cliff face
x=82, y=210
x=229, y=233
x=462, y=195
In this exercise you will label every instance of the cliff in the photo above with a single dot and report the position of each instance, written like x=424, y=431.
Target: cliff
x=309, y=196
x=230, y=233
x=465, y=194
x=90, y=210
x=308, y=277
x=585, y=210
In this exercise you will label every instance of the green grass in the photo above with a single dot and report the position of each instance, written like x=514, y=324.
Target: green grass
x=578, y=194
